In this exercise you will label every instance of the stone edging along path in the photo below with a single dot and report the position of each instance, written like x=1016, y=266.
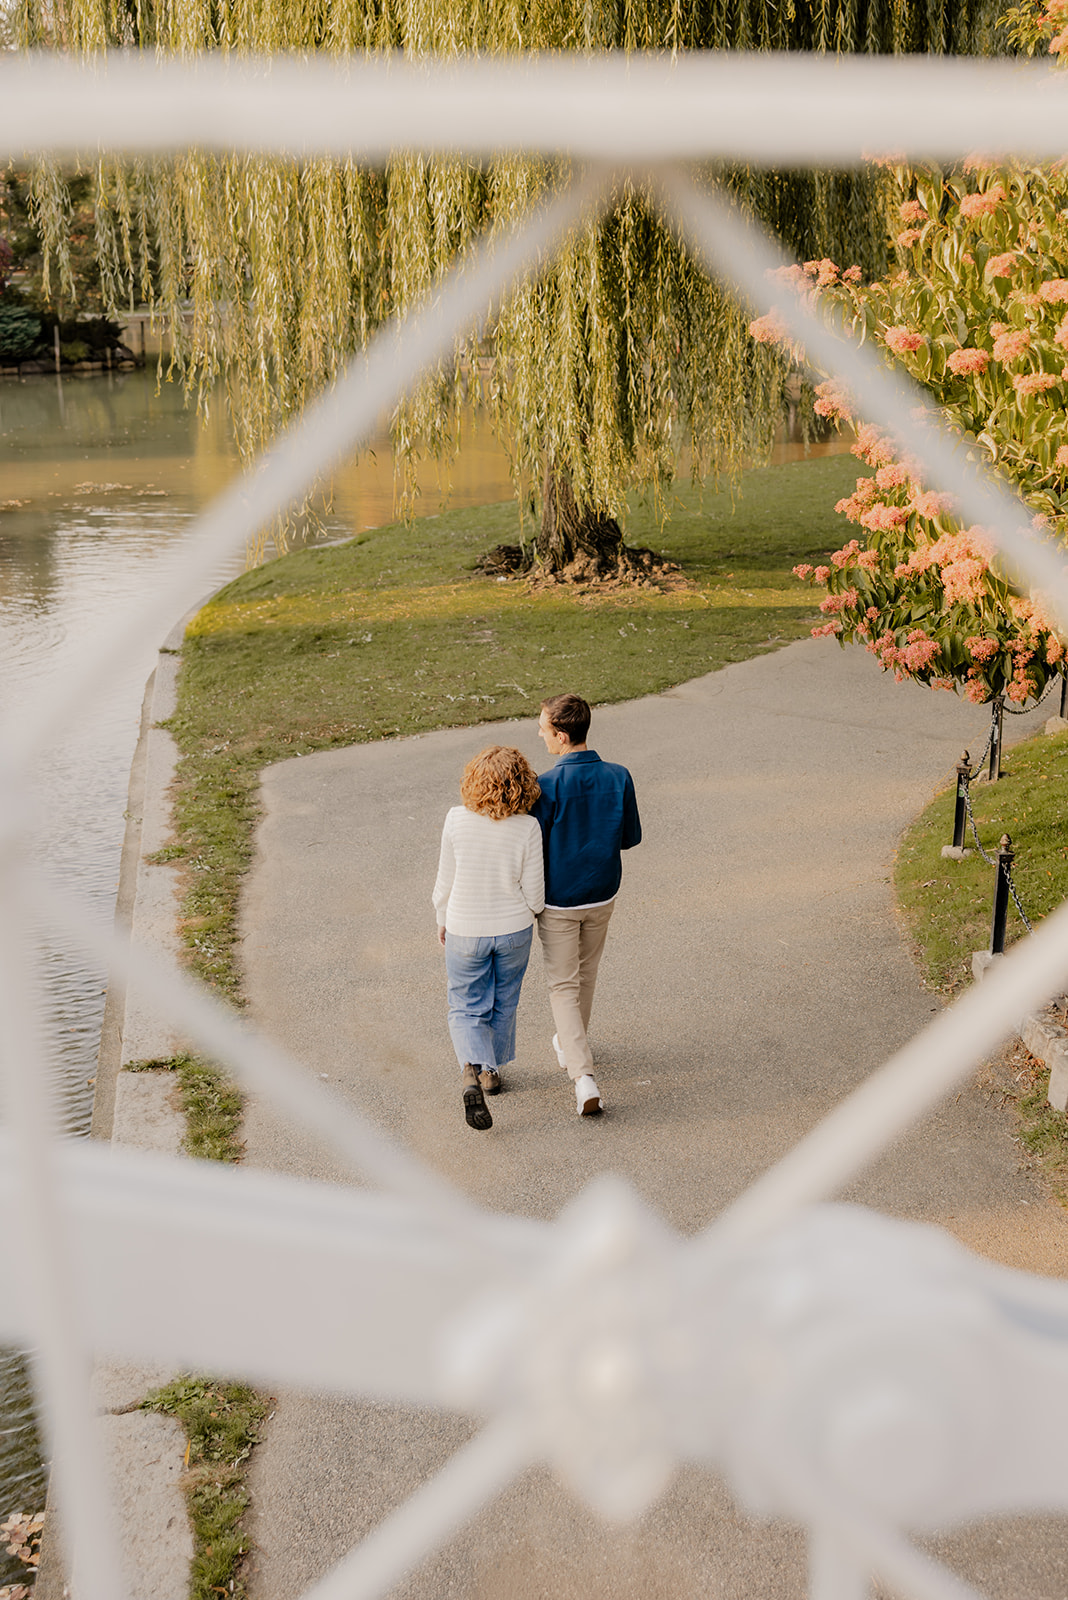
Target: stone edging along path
x=145, y=1451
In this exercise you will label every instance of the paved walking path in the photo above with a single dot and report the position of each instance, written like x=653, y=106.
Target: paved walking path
x=754, y=974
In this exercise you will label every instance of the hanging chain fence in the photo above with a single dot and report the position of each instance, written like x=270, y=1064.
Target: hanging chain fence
x=992, y=861
x=1024, y=711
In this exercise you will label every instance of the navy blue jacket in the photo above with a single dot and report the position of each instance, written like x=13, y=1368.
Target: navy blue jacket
x=588, y=814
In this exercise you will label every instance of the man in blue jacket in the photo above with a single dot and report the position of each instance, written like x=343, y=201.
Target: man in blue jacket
x=588, y=814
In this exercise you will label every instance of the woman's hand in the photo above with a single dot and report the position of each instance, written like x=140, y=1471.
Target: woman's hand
x=441, y=935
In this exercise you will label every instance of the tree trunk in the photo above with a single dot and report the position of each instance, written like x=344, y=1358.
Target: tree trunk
x=576, y=544
x=575, y=540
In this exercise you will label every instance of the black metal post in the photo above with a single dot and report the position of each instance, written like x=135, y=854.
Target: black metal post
x=960, y=810
x=997, y=717
x=1064, y=696
x=1001, y=895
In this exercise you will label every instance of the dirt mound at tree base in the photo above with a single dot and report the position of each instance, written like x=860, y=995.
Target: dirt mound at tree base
x=624, y=568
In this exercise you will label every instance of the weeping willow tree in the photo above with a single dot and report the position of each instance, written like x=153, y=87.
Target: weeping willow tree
x=621, y=353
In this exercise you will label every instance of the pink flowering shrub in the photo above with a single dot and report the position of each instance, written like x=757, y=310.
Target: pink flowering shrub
x=770, y=329
x=924, y=595
x=1011, y=344
x=1029, y=383
x=833, y=402
x=902, y=341
x=983, y=204
x=964, y=363
x=976, y=310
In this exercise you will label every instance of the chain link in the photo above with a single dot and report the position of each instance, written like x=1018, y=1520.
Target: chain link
x=982, y=759
x=967, y=777
x=1016, y=898
x=992, y=861
x=1023, y=711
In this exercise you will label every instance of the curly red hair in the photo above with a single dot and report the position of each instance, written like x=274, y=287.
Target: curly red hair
x=499, y=782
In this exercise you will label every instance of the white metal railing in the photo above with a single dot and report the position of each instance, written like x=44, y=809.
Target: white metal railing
x=895, y=1354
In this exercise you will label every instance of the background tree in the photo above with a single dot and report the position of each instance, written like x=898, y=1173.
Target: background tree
x=34, y=279
x=598, y=372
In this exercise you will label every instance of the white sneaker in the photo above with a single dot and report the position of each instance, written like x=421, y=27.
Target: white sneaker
x=588, y=1096
x=559, y=1052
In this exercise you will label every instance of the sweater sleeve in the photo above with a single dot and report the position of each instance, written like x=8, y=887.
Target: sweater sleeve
x=532, y=878
x=632, y=825
x=446, y=874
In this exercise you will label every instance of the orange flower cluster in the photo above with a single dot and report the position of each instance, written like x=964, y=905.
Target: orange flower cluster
x=968, y=363
x=1029, y=383
x=912, y=559
x=902, y=341
x=983, y=204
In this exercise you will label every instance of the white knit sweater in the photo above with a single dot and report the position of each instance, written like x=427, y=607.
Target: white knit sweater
x=490, y=875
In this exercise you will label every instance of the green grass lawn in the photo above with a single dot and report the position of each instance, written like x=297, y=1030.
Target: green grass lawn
x=947, y=904
x=394, y=633
x=947, y=907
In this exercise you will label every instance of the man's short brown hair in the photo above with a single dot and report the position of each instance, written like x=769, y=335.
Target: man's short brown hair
x=568, y=714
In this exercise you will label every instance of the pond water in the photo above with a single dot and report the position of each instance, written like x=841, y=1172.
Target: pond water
x=98, y=477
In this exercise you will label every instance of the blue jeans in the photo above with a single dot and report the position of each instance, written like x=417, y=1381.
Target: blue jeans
x=485, y=976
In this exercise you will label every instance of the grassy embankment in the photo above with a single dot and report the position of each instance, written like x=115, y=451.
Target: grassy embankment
x=395, y=634
x=221, y=1422
x=947, y=908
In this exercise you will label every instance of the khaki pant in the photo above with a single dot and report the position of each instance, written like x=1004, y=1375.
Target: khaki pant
x=572, y=939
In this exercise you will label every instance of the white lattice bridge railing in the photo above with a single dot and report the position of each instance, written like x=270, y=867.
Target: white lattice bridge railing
x=851, y=1372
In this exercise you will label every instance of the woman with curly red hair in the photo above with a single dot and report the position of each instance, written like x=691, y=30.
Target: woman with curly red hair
x=490, y=887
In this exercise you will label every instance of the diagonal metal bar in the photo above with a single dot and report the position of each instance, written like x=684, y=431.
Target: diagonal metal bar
x=864, y=1543
x=259, y=1064
x=331, y=427
x=885, y=1552
x=766, y=108
x=835, y=1572
x=910, y=1084
x=474, y=1476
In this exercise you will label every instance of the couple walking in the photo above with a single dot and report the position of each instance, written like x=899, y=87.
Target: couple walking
x=523, y=848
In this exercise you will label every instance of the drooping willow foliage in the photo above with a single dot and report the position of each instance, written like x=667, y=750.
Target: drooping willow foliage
x=599, y=371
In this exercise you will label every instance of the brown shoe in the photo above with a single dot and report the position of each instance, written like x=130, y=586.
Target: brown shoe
x=490, y=1080
x=476, y=1114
